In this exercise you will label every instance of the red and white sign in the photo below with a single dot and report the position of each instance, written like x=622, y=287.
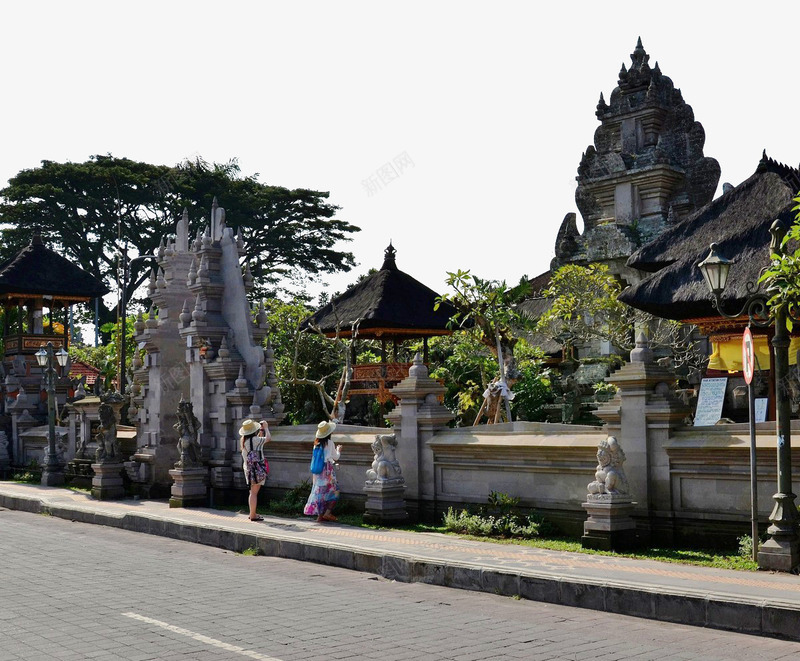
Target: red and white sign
x=747, y=356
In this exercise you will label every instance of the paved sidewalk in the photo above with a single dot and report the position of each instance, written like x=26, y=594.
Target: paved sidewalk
x=748, y=602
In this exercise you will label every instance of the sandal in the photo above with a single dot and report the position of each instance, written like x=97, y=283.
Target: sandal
x=329, y=517
x=258, y=518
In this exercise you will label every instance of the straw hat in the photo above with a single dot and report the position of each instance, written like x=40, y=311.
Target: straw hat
x=325, y=428
x=249, y=427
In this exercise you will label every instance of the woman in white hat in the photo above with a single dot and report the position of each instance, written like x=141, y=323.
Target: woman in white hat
x=325, y=489
x=253, y=436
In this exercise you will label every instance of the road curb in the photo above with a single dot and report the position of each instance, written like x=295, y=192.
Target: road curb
x=718, y=611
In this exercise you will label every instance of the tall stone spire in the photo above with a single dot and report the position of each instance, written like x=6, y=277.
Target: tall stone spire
x=647, y=156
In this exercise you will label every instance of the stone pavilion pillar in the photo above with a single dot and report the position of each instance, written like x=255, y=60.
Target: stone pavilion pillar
x=417, y=417
x=641, y=417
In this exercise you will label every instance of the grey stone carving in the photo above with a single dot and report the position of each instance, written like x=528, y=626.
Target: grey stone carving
x=107, y=445
x=188, y=428
x=609, y=478
x=385, y=466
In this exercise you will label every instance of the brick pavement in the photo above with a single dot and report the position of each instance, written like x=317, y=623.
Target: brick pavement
x=72, y=591
x=751, y=602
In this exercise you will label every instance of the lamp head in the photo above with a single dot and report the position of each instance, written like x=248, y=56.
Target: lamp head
x=41, y=357
x=62, y=357
x=715, y=270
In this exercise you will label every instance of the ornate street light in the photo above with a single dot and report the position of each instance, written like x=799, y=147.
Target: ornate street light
x=782, y=550
x=53, y=470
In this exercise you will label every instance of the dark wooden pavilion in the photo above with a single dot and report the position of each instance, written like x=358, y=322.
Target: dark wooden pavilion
x=38, y=279
x=390, y=306
x=738, y=222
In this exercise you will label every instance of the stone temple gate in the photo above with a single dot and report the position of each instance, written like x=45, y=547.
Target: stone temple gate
x=201, y=342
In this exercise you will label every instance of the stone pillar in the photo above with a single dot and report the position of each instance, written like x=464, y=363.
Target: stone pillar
x=417, y=417
x=188, y=487
x=641, y=417
x=107, y=481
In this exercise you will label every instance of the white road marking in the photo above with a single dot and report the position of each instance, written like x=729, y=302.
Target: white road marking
x=201, y=638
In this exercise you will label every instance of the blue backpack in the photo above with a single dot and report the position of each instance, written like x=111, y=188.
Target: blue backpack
x=318, y=459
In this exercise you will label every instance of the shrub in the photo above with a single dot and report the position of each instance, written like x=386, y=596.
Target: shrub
x=293, y=500
x=498, y=519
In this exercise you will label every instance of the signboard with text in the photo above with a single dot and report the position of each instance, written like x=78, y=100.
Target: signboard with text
x=709, y=401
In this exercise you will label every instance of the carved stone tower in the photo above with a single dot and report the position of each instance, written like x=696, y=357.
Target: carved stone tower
x=203, y=346
x=645, y=170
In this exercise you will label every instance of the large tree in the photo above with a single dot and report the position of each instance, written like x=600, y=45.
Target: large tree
x=90, y=211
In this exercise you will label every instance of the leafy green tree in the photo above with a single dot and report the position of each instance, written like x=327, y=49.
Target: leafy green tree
x=783, y=275
x=584, y=307
x=466, y=366
x=487, y=309
x=90, y=211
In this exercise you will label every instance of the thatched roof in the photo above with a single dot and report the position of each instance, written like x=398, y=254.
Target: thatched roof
x=388, y=303
x=38, y=271
x=738, y=222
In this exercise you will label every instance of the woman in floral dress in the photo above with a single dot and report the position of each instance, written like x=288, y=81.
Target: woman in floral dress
x=252, y=437
x=325, y=489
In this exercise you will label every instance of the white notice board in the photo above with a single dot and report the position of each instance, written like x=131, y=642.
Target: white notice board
x=761, y=409
x=709, y=402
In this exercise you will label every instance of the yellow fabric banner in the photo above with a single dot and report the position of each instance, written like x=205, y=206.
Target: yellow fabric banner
x=727, y=355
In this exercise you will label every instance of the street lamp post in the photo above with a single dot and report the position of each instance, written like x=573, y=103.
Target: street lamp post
x=53, y=470
x=782, y=550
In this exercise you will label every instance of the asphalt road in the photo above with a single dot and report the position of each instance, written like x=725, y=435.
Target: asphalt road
x=72, y=591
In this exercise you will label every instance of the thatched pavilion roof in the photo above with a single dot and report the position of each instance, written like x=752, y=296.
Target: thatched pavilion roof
x=738, y=222
x=386, y=304
x=38, y=271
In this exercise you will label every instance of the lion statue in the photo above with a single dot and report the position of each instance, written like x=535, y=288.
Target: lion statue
x=609, y=477
x=385, y=465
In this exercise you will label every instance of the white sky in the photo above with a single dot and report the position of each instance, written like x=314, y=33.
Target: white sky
x=493, y=102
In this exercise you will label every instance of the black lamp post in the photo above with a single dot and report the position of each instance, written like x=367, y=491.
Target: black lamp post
x=782, y=550
x=53, y=470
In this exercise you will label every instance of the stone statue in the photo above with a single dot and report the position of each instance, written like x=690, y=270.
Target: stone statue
x=188, y=428
x=106, y=437
x=80, y=449
x=385, y=465
x=609, y=479
x=572, y=400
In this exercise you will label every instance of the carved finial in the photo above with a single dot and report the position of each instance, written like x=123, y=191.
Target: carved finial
x=388, y=259
x=202, y=270
x=160, y=252
x=261, y=317
x=239, y=239
x=185, y=316
x=418, y=368
x=151, y=285
x=161, y=283
x=241, y=382
x=247, y=277
x=138, y=325
x=602, y=106
x=198, y=314
x=642, y=353
x=192, y=272
x=151, y=321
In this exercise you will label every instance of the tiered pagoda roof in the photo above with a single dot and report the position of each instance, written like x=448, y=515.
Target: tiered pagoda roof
x=387, y=304
x=36, y=270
